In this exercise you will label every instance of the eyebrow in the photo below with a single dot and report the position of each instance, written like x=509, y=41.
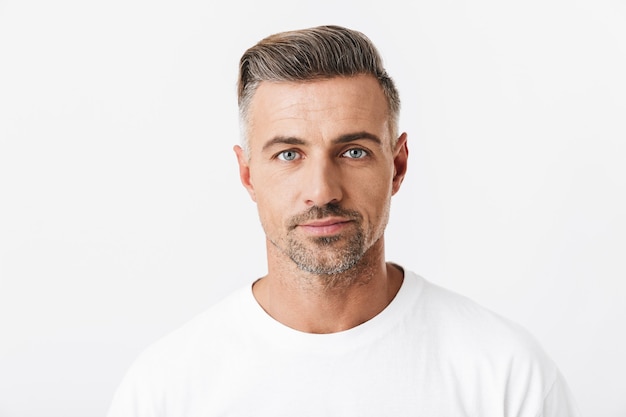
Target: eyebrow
x=278, y=140
x=351, y=137
x=347, y=138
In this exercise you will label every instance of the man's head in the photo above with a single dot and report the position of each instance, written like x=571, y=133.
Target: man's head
x=323, y=158
x=312, y=54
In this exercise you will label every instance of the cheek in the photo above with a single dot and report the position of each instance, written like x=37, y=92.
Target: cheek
x=376, y=199
x=272, y=211
x=373, y=188
x=371, y=206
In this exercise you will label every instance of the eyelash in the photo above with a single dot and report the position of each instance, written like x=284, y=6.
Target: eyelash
x=363, y=151
x=281, y=153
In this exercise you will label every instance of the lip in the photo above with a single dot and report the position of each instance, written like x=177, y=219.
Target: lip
x=327, y=226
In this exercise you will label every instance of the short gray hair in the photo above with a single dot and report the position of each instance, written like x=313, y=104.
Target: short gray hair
x=312, y=54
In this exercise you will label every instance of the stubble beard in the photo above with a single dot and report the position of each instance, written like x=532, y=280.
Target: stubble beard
x=321, y=257
x=329, y=258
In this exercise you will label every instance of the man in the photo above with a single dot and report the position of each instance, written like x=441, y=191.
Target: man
x=333, y=329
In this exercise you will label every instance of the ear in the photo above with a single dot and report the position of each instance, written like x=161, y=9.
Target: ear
x=244, y=171
x=400, y=158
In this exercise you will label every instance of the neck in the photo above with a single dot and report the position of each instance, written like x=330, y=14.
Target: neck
x=327, y=303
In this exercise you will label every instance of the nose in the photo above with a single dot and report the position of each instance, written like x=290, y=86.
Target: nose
x=322, y=183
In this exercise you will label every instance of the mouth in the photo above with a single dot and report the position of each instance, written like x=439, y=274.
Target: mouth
x=325, y=227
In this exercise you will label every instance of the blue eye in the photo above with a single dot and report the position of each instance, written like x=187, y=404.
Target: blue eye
x=355, y=153
x=288, y=155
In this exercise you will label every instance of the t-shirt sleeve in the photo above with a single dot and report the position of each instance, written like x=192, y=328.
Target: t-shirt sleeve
x=559, y=401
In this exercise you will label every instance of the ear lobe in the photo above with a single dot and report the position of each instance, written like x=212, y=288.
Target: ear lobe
x=244, y=171
x=400, y=159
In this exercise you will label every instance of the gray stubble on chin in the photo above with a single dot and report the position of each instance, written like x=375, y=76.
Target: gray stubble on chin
x=314, y=259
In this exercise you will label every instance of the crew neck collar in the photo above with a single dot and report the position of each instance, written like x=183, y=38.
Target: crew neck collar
x=284, y=337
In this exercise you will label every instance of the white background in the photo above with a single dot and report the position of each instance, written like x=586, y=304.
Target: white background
x=121, y=213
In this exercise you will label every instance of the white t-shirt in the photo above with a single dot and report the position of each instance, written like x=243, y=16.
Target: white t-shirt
x=429, y=353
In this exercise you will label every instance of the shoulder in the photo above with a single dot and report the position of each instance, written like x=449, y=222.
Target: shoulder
x=207, y=331
x=164, y=367
x=456, y=316
x=478, y=346
x=168, y=367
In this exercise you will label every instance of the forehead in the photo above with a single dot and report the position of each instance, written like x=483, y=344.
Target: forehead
x=324, y=106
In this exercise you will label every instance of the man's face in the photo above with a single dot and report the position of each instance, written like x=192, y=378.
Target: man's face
x=322, y=168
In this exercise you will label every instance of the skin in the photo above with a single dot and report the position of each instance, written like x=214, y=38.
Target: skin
x=322, y=168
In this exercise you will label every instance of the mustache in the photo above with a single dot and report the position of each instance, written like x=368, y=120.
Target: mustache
x=317, y=212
